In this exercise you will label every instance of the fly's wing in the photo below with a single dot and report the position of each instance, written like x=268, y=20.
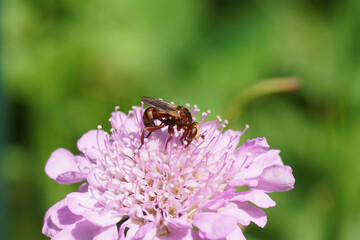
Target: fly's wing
x=162, y=105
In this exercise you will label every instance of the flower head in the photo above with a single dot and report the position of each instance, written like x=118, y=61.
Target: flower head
x=191, y=192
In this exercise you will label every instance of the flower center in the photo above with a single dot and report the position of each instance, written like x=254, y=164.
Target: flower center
x=156, y=183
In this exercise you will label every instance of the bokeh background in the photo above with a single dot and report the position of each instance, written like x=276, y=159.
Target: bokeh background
x=66, y=64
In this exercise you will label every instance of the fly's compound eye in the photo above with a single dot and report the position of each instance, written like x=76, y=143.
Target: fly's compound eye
x=193, y=132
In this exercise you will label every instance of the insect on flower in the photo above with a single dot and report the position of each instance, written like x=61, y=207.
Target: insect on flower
x=210, y=191
x=171, y=115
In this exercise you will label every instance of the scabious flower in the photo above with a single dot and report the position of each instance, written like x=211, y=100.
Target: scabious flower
x=208, y=190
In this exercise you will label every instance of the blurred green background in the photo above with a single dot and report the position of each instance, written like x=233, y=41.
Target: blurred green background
x=66, y=64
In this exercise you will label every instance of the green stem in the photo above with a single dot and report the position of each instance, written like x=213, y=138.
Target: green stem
x=269, y=86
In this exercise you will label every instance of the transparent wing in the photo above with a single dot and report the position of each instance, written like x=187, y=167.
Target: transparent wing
x=162, y=105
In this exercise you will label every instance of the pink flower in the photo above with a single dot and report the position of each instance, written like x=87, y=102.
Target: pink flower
x=181, y=193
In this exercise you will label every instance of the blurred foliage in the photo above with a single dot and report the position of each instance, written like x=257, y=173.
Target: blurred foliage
x=66, y=64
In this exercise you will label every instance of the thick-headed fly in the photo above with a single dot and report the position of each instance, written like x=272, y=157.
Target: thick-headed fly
x=169, y=115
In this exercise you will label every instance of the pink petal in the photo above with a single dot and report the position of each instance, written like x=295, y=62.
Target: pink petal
x=49, y=228
x=237, y=234
x=104, y=218
x=257, y=197
x=208, y=224
x=246, y=213
x=263, y=161
x=79, y=202
x=179, y=228
x=216, y=203
x=110, y=232
x=63, y=217
x=118, y=120
x=125, y=124
x=85, y=230
x=255, y=146
x=62, y=167
x=146, y=232
x=276, y=179
x=92, y=143
x=83, y=187
x=85, y=166
x=69, y=178
x=132, y=229
x=188, y=235
x=95, y=181
x=242, y=182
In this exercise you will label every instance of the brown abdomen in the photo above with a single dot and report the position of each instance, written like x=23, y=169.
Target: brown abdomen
x=148, y=117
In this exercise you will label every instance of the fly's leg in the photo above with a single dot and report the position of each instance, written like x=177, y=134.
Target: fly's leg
x=150, y=129
x=183, y=137
x=171, y=133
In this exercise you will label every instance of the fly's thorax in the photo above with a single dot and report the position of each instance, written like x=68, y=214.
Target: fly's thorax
x=185, y=116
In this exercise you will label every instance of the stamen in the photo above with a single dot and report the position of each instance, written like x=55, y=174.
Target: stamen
x=194, y=110
x=204, y=115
